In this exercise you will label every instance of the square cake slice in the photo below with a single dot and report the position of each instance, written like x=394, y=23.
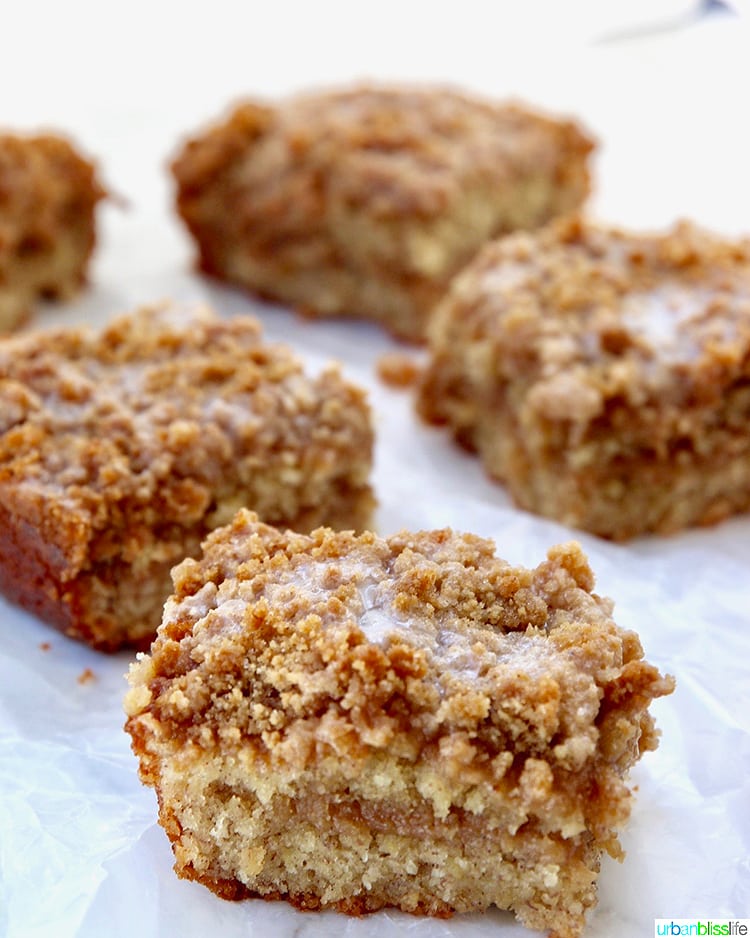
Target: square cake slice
x=356, y=722
x=366, y=201
x=48, y=194
x=603, y=376
x=121, y=450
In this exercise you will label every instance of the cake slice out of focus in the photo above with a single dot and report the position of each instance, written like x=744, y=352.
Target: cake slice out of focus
x=366, y=201
x=602, y=375
x=120, y=450
x=48, y=197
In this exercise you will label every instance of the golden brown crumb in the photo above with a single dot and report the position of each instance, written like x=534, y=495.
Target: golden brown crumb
x=603, y=375
x=366, y=201
x=398, y=370
x=121, y=450
x=87, y=676
x=45, y=646
x=48, y=194
x=356, y=722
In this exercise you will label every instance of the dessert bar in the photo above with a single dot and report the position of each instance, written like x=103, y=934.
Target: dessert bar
x=365, y=201
x=48, y=194
x=121, y=450
x=603, y=376
x=356, y=722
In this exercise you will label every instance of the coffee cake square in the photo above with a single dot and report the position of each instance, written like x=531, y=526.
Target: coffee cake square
x=603, y=376
x=48, y=196
x=357, y=722
x=121, y=450
x=365, y=201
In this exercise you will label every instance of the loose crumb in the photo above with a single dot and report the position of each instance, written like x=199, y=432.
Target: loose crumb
x=398, y=370
x=45, y=646
x=86, y=676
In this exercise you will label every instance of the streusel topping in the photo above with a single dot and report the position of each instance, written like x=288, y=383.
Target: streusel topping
x=595, y=312
x=154, y=410
x=414, y=636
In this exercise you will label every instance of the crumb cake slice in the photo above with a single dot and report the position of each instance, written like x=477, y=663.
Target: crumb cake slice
x=603, y=376
x=366, y=201
x=121, y=450
x=356, y=722
x=48, y=194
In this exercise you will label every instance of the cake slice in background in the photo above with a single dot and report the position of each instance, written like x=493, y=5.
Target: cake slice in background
x=48, y=197
x=365, y=201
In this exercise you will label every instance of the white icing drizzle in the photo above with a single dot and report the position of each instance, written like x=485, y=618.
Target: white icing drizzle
x=466, y=654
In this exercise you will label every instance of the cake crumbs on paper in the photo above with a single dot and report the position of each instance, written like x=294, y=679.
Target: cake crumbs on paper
x=86, y=676
x=398, y=370
x=45, y=646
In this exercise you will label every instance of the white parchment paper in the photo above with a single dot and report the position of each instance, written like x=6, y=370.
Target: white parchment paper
x=80, y=851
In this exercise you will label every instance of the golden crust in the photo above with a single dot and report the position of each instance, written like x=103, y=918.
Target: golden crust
x=366, y=201
x=602, y=375
x=48, y=194
x=120, y=450
x=413, y=685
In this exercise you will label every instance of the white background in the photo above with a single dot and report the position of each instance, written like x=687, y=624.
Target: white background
x=666, y=93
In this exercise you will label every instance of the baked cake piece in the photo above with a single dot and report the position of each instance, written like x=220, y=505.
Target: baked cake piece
x=603, y=376
x=355, y=722
x=366, y=201
x=48, y=193
x=120, y=451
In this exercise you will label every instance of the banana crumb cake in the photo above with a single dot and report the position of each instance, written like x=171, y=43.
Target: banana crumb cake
x=603, y=376
x=48, y=194
x=365, y=201
x=356, y=722
x=121, y=450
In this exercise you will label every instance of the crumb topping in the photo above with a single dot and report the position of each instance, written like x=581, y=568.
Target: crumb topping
x=588, y=314
x=406, y=643
x=402, y=151
x=149, y=420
